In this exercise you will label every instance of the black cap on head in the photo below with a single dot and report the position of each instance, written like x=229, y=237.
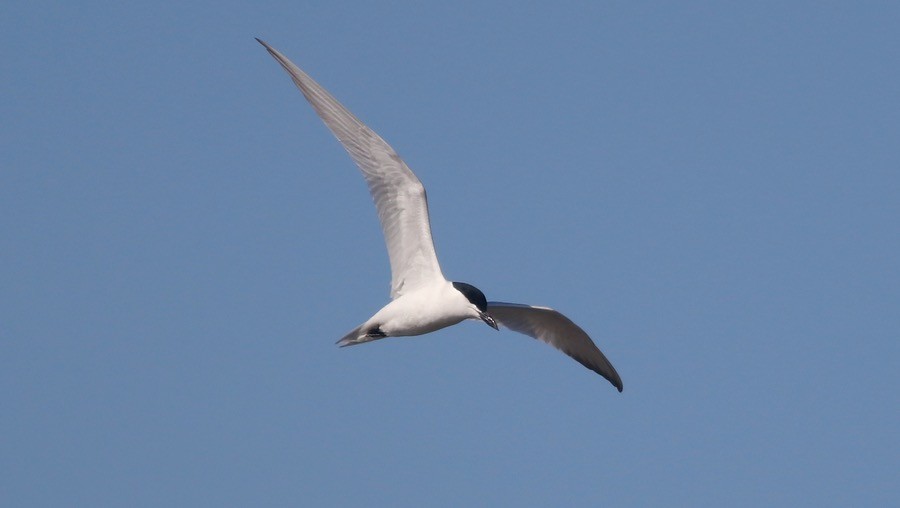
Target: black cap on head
x=473, y=294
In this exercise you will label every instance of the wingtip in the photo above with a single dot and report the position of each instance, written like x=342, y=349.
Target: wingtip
x=264, y=44
x=615, y=381
x=609, y=374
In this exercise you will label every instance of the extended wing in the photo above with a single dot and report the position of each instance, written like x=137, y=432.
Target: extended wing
x=550, y=326
x=399, y=196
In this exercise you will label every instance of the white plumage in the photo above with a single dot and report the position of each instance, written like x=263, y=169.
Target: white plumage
x=422, y=299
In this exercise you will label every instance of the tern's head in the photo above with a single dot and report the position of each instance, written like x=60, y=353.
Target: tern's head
x=478, y=301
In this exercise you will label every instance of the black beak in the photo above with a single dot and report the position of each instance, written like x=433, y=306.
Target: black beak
x=489, y=320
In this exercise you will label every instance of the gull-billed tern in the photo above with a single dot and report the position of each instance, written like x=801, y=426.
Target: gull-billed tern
x=422, y=300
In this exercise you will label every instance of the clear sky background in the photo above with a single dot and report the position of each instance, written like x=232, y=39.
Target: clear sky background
x=710, y=189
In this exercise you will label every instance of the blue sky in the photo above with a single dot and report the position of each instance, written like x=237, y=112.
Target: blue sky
x=710, y=189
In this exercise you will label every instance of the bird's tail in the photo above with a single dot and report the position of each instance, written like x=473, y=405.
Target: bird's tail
x=357, y=336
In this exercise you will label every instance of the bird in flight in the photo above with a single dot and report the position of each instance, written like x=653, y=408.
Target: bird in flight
x=422, y=300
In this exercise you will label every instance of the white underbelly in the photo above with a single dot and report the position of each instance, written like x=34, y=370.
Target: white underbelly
x=420, y=313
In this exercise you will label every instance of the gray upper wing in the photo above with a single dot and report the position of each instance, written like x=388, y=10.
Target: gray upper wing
x=398, y=194
x=550, y=326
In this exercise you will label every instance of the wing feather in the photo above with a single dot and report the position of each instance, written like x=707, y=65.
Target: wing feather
x=398, y=194
x=551, y=327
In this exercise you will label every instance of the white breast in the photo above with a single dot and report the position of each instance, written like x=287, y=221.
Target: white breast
x=425, y=310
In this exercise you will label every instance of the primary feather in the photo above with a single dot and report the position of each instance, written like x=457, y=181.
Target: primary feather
x=551, y=327
x=398, y=194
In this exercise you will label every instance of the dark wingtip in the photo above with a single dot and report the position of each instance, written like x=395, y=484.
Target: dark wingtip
x=615, y=380
x=264, y=44
x=608, y=373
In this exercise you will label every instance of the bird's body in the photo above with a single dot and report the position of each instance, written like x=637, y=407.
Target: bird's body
x=425, y=310
x=422, y=300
